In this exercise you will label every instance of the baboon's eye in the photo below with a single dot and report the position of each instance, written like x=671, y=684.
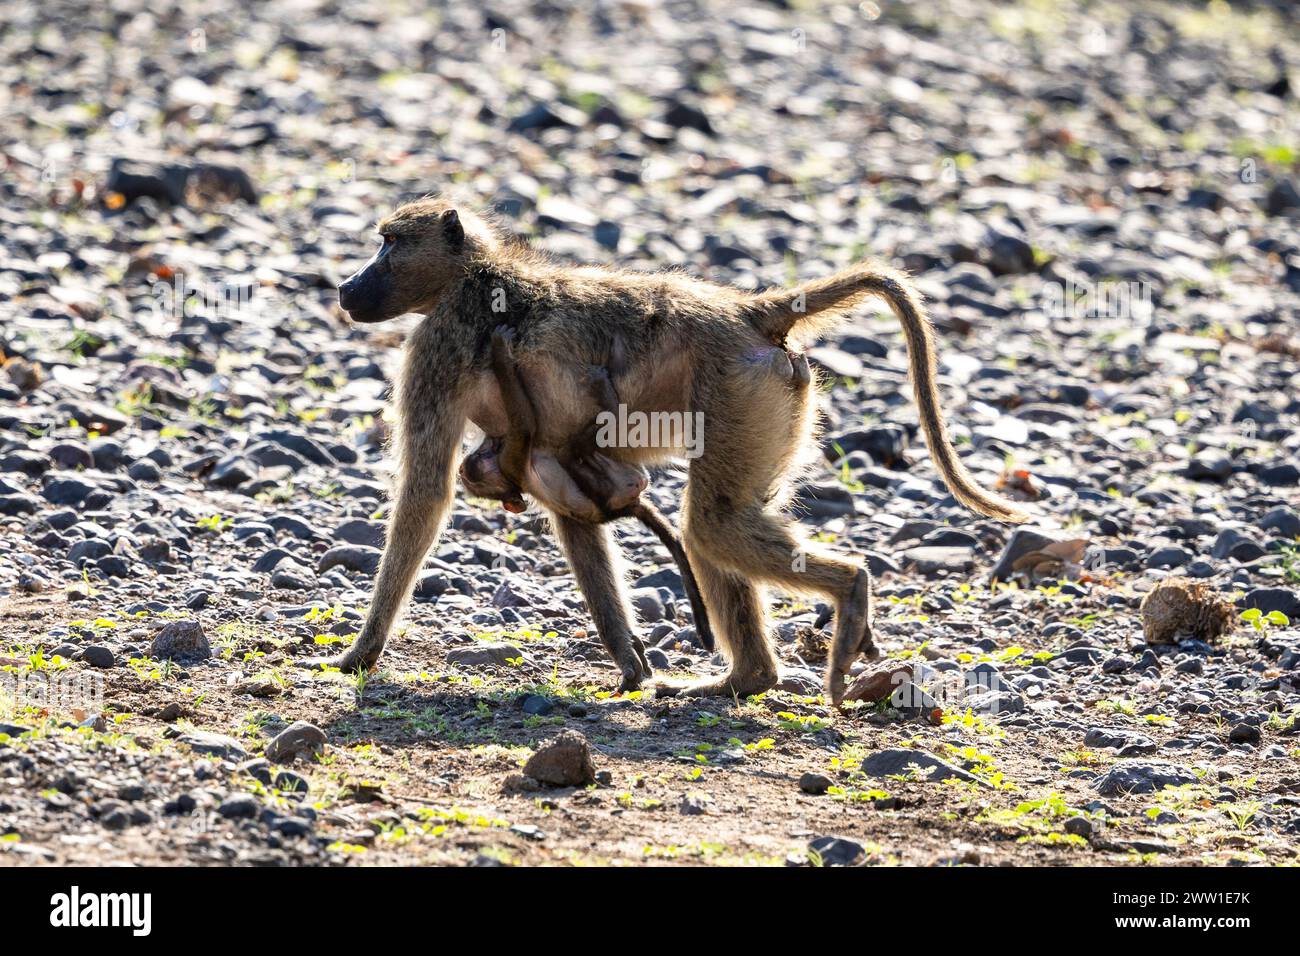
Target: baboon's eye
x=388, y=238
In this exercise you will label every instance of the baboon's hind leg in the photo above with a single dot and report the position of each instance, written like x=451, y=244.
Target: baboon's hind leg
x=753, y=543
x=731, y=517
x=737, y=609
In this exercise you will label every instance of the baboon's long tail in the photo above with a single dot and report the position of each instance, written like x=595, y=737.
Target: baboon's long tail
x=810, y=309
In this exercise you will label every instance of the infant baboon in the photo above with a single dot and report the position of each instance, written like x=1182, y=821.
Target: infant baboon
x=586, y=484
x=692, y=347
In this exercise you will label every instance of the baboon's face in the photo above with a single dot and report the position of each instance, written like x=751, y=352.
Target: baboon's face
x=422, y=250
x=481, y=474
x=481, y=471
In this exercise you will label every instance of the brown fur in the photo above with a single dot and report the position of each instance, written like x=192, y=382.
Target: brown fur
x=689, y=348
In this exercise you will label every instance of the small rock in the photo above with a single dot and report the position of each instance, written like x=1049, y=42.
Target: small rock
x=538, y=706
x=232, y=471
x=564, y=762
x=483, y=654
x=353, y=557
x=259, y=687
x=97, y=655
x=241, y=806
x=1116, y=739
x=879, y=681
x=886, y=763
x=648, y=604
x=837, y=851
x=815, y=783
x=298, y=739
x=1244, y=733
x=1143, y=778
x=1282, y=473
x=291, y=576
x=1171, y=556
x=1079, y=826
x=213, y=745
x=144, y=470
x=932, y=561
x=181, y=640
x=1285, y=521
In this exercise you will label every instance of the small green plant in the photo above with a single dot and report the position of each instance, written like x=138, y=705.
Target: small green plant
x=845, y=473
x=1242, y=815
x=1119, y=705
x=213, y=523
x=84, y=343
x=804, y=723
x=1290, y=563
x=1262, y=622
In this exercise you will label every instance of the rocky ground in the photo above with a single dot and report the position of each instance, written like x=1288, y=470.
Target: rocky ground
x=1101, y=206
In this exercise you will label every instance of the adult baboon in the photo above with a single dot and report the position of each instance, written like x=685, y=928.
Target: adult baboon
x=691, y=346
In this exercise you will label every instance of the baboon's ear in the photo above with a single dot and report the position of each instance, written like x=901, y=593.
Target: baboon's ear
x=452, y=229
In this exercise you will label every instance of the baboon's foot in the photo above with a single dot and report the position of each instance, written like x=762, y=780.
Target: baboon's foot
x=350, y=661
x=636, y=669
x=634, y=677
x=728, y=685
x=852, y=637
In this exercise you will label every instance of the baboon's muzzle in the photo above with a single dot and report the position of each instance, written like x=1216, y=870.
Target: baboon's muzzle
x=360, y=297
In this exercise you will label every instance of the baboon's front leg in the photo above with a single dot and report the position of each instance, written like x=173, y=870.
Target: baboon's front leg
x=599, y=574
x=428, y=452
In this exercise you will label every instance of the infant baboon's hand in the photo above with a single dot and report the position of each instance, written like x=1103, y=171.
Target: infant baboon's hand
x=503, y=337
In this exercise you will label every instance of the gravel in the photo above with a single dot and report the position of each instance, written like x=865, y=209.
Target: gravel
x=193, y=497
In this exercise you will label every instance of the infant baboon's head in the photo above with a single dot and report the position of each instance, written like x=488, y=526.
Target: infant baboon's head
x=425, y=246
